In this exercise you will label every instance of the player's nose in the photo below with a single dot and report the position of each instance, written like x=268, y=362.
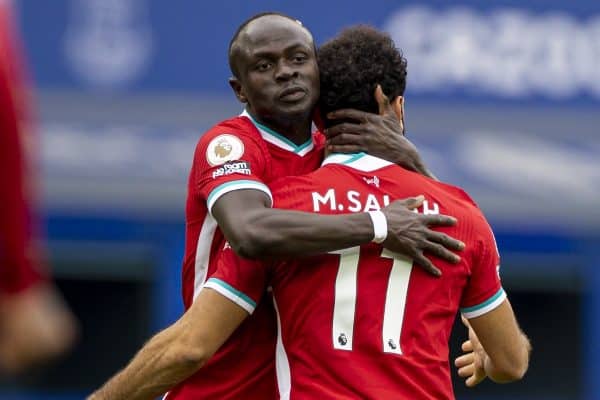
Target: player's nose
x=285, y=71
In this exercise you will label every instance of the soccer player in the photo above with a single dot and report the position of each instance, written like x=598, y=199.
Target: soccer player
x=347, y=330
x=34, y=324
x=273, y=60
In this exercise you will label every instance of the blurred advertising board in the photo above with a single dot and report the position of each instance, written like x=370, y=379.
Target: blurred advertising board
x=502, y=96
x=515, y=50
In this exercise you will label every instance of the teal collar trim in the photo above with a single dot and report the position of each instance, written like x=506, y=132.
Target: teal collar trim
x=360, y=161
x=339, y=158
x=278, y=139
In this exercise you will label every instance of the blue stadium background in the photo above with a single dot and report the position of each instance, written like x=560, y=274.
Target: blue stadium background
x=503, y=99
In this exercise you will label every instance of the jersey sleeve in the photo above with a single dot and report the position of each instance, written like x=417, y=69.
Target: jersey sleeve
x=226, y=160
x=241, y=280
x=484, y=291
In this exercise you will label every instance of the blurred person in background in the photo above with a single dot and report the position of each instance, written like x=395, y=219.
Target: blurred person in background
x=35, y=324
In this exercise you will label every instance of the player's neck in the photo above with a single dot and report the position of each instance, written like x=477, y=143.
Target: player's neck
x=299, y=136
x=296, y=131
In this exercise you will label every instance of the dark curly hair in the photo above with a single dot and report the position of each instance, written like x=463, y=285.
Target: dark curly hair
x=353, y=63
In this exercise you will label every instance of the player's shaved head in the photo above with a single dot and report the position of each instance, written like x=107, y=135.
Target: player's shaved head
x=234, y=43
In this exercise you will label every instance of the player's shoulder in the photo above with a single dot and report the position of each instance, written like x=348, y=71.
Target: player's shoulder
x=472, y=217
x=451, y=193
x=458, y=193
x=230, y=140
x=291, y=192
x=296, y=183
x=239, y=126
x=462, y=205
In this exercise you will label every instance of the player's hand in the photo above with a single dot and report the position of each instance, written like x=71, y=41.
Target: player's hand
x=34, y=326
x=409, y=234
x=379, y=135
x=471, y=364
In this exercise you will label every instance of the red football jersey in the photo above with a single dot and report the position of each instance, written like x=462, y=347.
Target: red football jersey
x=20, y=261
x=363, y=322
x=238, y=153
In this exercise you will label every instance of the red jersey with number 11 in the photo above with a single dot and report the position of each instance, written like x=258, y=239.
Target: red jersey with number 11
x=365, y=323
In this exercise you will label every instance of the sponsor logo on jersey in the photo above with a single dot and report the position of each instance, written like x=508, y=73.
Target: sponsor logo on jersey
x=372, y=181
x=224, y=148
x=232, y=167
x=391, y=344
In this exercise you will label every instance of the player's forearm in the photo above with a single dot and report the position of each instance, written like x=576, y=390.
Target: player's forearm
x=273, y=233
x=159, y=366
x=509, y=367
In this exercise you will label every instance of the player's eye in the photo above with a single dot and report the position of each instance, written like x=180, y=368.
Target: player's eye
x=263, y=66
x=299, y=57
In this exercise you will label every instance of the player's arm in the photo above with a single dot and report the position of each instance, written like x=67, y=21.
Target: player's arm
x=255, y=230
x=178, y=351
x=379, y=135
x=498, y=348
x=228, y=173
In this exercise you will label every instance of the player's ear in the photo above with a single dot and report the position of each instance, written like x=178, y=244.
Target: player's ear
x=398, y=107
x=238, y=89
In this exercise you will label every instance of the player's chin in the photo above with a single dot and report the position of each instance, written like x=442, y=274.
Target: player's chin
x=298, y=108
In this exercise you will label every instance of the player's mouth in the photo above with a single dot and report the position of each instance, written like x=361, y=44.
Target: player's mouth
x=292, y=94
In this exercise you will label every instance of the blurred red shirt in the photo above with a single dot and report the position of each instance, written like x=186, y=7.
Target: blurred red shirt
x=19, y=259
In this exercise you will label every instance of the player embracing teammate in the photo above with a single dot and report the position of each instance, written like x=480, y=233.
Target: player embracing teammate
x=360, y=322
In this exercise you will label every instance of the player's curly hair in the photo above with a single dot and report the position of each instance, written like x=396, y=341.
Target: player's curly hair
x=353, y=63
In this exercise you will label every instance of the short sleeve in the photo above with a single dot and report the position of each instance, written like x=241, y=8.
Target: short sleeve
x=484, y=290
x=241, y=280
x=228, y=161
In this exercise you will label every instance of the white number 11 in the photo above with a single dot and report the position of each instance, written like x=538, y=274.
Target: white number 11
x=345, y=300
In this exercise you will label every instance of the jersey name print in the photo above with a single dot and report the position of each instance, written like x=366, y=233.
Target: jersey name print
x=364, y=322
